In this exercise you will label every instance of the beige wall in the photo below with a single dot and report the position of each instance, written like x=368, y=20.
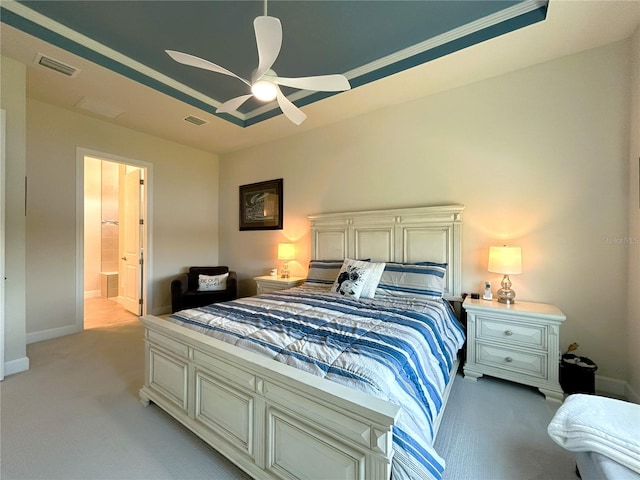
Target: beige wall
x=184, y=210
x=12, y=100
x=539, y=157
x=633, y=315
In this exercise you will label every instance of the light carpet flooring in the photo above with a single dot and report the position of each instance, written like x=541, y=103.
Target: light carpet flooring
x=75, y=415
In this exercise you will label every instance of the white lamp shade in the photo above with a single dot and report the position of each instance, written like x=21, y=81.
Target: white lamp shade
x=506, y=260
x=286, y=251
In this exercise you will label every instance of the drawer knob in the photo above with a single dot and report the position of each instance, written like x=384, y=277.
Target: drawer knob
x=508, y=333
x=508, y=359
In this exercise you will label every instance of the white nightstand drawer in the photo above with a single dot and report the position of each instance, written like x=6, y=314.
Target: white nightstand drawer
x=508, y=359
x=512, y=332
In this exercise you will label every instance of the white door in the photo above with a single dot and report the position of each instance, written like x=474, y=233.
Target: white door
x=132, y=255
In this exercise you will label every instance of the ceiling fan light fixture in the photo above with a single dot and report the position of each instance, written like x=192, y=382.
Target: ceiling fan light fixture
x=265, y=84
x=264, y=90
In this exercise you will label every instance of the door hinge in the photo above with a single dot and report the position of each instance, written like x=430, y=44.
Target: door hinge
x=140, y=261
x=139, y=301
x=141, y=221
x=141, y=181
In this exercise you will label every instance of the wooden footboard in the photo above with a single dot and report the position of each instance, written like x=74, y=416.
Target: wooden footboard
x=270, y=419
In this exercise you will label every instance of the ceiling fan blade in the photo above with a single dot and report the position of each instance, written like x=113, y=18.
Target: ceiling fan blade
x=322, y=83
x=269, y=41
x=198, y=62
x=233, y=104
x=292, y=112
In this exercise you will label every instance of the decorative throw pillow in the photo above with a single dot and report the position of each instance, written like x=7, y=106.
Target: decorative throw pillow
x=352, y=278
x=212, y=283
x=425, y=279
x=369, y=289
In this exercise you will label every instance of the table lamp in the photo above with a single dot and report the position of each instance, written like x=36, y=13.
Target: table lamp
x=286, y=252
x=508, y=261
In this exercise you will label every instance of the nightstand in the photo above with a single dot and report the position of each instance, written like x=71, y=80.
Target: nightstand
x=517, y=342
x=268, y=284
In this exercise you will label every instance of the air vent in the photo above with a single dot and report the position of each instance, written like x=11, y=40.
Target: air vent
x=195, y=120
x=56, y=65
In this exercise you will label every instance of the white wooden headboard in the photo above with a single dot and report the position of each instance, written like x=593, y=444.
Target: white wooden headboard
x=398, y=235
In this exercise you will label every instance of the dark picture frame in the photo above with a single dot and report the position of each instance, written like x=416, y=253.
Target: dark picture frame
x=261, y=205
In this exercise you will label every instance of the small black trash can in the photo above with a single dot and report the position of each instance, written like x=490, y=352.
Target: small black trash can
x=577, y=374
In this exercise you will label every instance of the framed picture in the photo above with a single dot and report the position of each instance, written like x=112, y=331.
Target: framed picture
x=261, y=205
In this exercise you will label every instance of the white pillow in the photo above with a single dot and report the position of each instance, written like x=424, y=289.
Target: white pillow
x=370, y=286
x=212, y=283
x=354, y=277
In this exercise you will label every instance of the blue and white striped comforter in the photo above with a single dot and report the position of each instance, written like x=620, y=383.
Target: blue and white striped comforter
x=397, y=349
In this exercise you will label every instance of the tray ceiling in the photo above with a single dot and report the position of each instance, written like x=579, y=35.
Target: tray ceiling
x=364, y=40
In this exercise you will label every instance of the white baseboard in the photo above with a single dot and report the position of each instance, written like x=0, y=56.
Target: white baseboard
x=42, y=335
x=16, y=366
x=612, y=386
x=92, y=293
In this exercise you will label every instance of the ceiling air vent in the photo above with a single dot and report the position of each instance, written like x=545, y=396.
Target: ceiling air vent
x=56, y=65
x=195, y=120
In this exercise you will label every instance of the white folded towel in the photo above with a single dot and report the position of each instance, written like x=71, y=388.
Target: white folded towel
x=610, y=427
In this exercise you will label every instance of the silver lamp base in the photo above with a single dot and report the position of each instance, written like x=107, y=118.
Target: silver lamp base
x=285, y=270
x=505, y=294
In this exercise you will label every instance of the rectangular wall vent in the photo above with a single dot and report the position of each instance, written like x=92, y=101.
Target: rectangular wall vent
x=56, y=65
x=195, y=120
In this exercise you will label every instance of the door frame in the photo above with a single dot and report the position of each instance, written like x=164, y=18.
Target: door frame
x=3, y=137
x=147, y=241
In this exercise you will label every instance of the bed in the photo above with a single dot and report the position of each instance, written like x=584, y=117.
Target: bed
x=305, y=409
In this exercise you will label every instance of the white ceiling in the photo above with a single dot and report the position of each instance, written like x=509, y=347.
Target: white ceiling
x=570, y=27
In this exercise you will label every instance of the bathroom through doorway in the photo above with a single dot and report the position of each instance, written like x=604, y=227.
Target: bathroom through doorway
x=114, y=241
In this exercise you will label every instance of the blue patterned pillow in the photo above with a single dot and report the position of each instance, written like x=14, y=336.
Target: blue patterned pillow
x=323, y=272
x=425, y=279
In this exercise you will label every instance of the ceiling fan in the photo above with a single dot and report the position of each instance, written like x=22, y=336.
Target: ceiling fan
x=265, y=84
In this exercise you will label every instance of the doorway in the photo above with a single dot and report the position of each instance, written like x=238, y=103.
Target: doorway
x=115, y=196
